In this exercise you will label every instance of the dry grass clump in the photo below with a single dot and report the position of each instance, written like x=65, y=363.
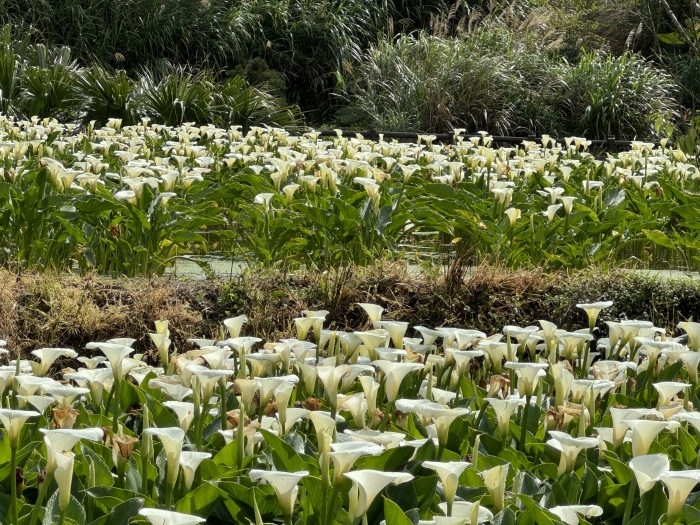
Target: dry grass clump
x=68, y=311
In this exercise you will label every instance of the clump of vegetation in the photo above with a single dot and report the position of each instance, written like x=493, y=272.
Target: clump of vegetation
x=69, y=311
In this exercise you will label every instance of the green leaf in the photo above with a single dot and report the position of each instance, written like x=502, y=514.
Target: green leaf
x=122, y=513
x=537, y=513
x=75, y=513
x=286, y=458
x=106, y=498
x=391, y=460
x=658, y=237
x=103, y=474
x=201, y=501
x=394, y=515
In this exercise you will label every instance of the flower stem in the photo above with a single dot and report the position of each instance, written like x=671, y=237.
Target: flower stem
x=115, y=414
x=630, y=499
x=523, y=430
x=40, y=498
x=223, y=409
x=13, y=484
x=240, y=438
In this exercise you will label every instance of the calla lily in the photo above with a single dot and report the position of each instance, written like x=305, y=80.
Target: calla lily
x=41, y=403
x=47, y=356
x=64, y=477
x=462, y=359
x=367, y=484
x=172, y=439
x=679, y=486
x=248, y=388
x=495, y=481
x=189, y=461
x=504, y=409
x=569, y=514
x=344, y=455
x=115, y=354
x=172, y=386
x=184, y=412
x=374, y=311
x=593, y=309
x=395, y=373
x=330, y=377
x=13, y=421
x=96, y=379
x=356, y=405
x=371, y=340
x=429, y=335
x=648, y=469
x=563, y=381
x=162, y=343
x=304, y=324
x=167, y=517
x=64, y=395
x=693, y=331
x=449, y=473
x=396, y=329
x=569, y=447
x=466, y=509
x=442, y=417
x=285, y=485
x=385, y=439
x=644, y=432
x=63, y=440
x=667, y=390
x=529, y=374
x=325, y=430
x=691, y=361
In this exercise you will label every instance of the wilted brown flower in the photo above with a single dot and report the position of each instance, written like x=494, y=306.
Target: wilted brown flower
x=312, y=404
x=63, y=417
x=498, y=384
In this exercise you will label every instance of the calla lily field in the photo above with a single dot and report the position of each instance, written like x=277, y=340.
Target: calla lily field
x=132, y=200
x=381, y=422
x=389, y=423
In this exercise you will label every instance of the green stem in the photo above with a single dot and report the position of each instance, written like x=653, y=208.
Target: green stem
x=523, y=424
x=115, y=414
x=325, y=483
x=331, y=509
x=13, y=484
x=387, y=414
x=240, y=438
x=40, y=498
x=223, y=409
x=168, y=495
x=630, y=499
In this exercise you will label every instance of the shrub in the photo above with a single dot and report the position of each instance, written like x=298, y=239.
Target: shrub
x=615, y=96
x=483, y=81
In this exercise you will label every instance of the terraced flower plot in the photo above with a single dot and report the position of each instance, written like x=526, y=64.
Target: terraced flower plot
x=128, y=201
x=389, y=423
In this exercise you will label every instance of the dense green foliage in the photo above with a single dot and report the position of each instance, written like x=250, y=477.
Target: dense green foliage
x=128, y=200
x=430, y=65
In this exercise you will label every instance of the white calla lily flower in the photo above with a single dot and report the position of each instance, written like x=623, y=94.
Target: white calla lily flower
x=449, y=473
x=167, y=517
x=285, y=484
x=648, y=469
x=367, y=484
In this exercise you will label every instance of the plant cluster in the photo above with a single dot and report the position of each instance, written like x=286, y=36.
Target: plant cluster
x=130, y=200
x=354, y=62
x=40, y=81
x=533, y=424
x=490, y=79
